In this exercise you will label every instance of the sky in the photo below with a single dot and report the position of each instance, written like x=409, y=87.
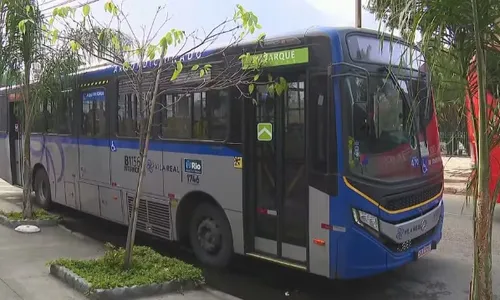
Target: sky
x=275, y=16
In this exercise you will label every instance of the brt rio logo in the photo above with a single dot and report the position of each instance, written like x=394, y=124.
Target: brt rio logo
x=193, y=166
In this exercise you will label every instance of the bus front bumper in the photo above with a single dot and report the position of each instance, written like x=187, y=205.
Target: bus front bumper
x=360, y=254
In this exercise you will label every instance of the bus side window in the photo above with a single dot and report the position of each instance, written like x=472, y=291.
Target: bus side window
x=236, y=116
x=218, y=114
x=129, y=115
x=318, y=127
x=94, y=116
x=176, y=116
x=41, y=119
x=196, y=116
x=59, y=113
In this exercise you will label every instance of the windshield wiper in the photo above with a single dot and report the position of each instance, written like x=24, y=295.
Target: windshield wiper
x=400, y=89
x=410, y=105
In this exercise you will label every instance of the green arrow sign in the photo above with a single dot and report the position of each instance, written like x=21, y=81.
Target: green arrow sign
x=265, y=132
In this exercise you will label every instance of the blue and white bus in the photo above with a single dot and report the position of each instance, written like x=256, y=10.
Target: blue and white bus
x=330, y=177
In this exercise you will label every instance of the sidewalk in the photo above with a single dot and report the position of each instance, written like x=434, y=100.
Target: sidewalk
x=456, y=174
x=23, y=273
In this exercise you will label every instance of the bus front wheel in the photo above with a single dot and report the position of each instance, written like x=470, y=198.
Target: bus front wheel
x=43, y=196
x=210, y=236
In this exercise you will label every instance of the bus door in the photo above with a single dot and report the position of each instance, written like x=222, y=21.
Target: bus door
x=15, y=141
x=93, y=145
x=276, y=188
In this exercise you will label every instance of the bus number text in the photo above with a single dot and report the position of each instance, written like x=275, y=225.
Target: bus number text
x=193, y=179
x=132, y=163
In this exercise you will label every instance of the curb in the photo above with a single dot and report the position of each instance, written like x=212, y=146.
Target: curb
x=453, y=180
x=77, y=234
x=454, y=191
x=79, y=284
x=39, y=223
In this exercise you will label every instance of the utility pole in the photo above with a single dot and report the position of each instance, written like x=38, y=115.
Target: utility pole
x=357, y=13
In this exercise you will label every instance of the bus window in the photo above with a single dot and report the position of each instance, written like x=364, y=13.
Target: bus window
x=236, y=117
x=94, y=117
x=60, y=113
x=200, y=120
x=218, y=114
x=128, y=115
x=176, y=116
x=198, y=116
x=295, y=176
x=318, y=129
x=40, y=120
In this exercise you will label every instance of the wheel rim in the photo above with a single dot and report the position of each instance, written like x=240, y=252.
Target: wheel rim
x=209, y=236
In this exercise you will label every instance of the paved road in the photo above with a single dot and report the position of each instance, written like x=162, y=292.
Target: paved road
x=444, y=274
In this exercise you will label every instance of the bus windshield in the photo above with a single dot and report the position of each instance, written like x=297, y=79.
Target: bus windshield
x=383, y=142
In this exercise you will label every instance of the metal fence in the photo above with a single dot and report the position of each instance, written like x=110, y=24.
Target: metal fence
x=454, y=143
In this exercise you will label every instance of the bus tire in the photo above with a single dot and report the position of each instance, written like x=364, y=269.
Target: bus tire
x=210, y=236
x=43, y=196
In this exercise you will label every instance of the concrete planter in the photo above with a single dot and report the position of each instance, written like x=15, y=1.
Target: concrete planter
x=40, y=223
x=79, y=284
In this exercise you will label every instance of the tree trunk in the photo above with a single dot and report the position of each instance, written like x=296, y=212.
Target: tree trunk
x=481, y=287
x=26, y=135
x=143, y=154
x=27, y=182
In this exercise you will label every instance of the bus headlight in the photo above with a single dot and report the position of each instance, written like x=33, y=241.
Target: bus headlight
x=365, y=219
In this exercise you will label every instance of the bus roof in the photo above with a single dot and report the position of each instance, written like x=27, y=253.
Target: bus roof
x=109, y=70
x=106, y=70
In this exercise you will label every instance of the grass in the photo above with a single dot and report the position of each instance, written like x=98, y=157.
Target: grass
x=148, y=267
x=38, y=214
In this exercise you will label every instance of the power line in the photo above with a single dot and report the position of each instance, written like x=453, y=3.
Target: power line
x=58, y=5
x=48, y=2
x=89, y=2
x=69, y=2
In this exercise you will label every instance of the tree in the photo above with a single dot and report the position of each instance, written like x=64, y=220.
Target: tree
x=456, y=26
x=5, y=53
x=121, y=44
x=40, y=67
x=24, y=38
x=447, y=83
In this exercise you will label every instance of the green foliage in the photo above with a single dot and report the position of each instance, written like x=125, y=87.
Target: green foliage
x=493, y=71
x=22, y=25
x=111, y=8
x=250, y=22
x=23, y=32
x=148, y=267
x=177, y=71
x=64, y=11
x=86, y=10
x=38, y=214
x=448, y=83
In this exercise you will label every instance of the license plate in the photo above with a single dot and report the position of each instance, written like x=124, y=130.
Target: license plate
x=423, y=251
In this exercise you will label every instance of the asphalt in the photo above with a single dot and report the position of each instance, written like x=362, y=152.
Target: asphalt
x=444, y=274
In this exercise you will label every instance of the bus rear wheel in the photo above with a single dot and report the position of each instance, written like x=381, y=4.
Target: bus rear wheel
x=210, y=236
x=43, y=195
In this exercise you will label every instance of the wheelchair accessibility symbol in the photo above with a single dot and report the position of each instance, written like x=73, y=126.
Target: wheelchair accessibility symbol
x=112, y=146
x=425, y=169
